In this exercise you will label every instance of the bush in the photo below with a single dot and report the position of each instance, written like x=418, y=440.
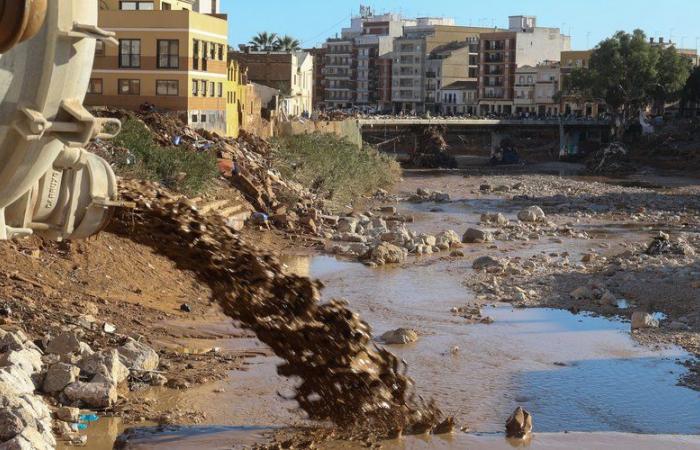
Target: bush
x=334, y=167
x=178, y=168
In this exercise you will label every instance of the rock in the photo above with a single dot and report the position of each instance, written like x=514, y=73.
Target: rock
x=400, y=336
x=92, y=395
x=137, y=356
x=68, y=414
x=519, y=424
x=185, y=308
x=457, y=254
x=158, y=380
x=494, y=219
x=485, y=188
x=11, y=425
x=582, y=293
x=59, y=376
x=476, y=236
x=386, y=253
x=388, y=209
x=64, y=344
x=27, y=359
x=105, y=363
x=486, y=262
x=642, y=320
x=446, y=239
x=108, y=328
x=347, y=225
x=532, y=214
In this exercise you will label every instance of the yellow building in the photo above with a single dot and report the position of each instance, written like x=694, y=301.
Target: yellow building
x=570, y=61
x=235, y=98
x=169, y=56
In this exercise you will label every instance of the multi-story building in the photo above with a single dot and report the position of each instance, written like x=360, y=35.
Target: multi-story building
x=546, y=88
x=412, y=52
x=168, y=55
x=502, y=52
x=356, y=62
x=449, y=64
x=524, y=92
x=571, y=105
x=459, y=98
x=291, y=73
x=319, y=80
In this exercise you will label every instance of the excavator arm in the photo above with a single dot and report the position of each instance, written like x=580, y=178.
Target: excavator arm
x=49, y=184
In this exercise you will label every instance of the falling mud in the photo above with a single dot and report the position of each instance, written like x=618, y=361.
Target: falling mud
x=344, y=378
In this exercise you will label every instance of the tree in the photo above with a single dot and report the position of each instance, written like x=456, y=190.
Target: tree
x=690, y=98
x=264, y=41
x=629, y=74
x=287, y=43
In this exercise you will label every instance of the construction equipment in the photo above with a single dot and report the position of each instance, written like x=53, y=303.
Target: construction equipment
x=49, y=184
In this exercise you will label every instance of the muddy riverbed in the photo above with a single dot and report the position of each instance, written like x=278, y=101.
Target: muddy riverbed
x=587, y=381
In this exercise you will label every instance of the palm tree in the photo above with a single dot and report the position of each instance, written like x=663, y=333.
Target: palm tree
x=287, y=43
x=264, y=41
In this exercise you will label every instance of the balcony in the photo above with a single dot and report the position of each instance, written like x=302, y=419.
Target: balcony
x=430, y=75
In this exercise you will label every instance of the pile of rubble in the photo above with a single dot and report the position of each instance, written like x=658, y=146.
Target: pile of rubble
x=25, y=420
x=344, y=377
x=71, y=376
x=611, y=159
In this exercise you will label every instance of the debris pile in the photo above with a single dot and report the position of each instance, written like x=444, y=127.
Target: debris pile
x=344, y=378
x=25, y=420
x=612, y=159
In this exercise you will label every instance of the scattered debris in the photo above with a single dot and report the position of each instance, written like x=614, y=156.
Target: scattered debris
x=519, y=424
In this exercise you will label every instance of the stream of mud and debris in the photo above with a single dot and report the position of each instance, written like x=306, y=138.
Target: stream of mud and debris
x=546, y=326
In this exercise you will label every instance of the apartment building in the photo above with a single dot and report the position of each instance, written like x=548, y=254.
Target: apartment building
x=319, y=79
x=459, y=98
x=411, y=54
x=503, y=52
x=168, y=55
x=339, y=73
x=571, y=105
x=449, y=64
x=291, y=73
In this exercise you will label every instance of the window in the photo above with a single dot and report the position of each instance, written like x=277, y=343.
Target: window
x=195, y=55
x=166, y=6
x=99, y=48
x=129, y=87
x=168, y=54
x=194, y=118
x=95, y=86
x=220, y=90
x=130, y=53
x=195, y=87
x=212, y=50
x=204, y=88
x=211, y=89
x=221, y=52
x=131, y=6
x=167, y=87
x=203, y=118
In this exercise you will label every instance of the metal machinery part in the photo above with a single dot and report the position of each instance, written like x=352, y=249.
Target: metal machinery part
x=49, y=184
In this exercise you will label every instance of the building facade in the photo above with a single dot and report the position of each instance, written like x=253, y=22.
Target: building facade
x=168, y=56
x=290, y=73
x=459, y=98
x=412, y=52
x=571, y=105
x=502, y=52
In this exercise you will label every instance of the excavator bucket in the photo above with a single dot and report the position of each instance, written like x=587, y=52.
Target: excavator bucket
x=49, y=184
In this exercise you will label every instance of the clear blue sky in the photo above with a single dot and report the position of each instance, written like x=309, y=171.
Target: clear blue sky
x=589, y=21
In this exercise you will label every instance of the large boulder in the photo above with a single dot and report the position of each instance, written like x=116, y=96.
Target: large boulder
x=92, y=395
x=386, y=253
x=532, y=214
x=446, y=239
x=400, y=336
x=347, y=225
x=137, y=356
x=641, y=320
x=63, y=344
x=494, y=219
x=59, y=376
x=486, y=263
x=477, y=236
x=28, y=359
x=105, y=363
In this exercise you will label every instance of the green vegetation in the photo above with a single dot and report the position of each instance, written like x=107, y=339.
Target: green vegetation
x=629, y=74
x=178, y=168
x=333, y=167
x=272, y=42
x=691, y=92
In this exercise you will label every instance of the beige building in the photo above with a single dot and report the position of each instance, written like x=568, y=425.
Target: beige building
x=291, y=73
x=459, y=98
x=411, y=54
x=449, y=64
x=168, y=56
x=570, y=105
x=503, y=52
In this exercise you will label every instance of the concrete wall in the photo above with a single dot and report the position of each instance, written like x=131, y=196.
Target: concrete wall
x=347, y=128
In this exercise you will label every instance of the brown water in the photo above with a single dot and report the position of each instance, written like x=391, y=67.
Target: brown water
x=575, y=373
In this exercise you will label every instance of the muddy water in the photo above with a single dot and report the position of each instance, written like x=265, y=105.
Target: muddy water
x=575, y=373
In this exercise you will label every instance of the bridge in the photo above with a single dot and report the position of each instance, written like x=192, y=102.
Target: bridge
x=481, y=136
